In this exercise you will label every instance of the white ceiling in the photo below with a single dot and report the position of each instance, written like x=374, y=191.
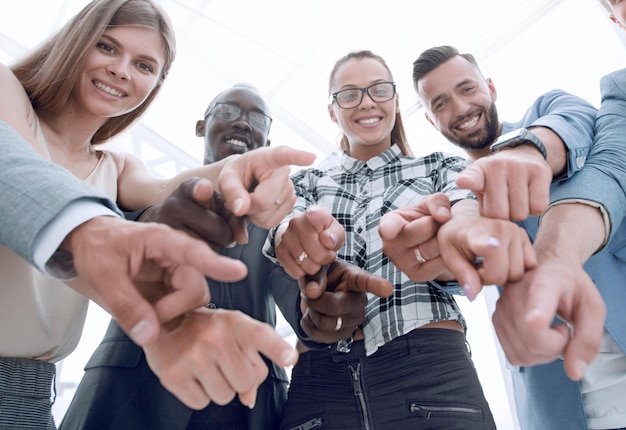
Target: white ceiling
x=286, y=48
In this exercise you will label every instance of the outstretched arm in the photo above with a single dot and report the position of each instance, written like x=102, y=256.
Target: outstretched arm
x=514, y=183
x=559, y=286
x=255, y=184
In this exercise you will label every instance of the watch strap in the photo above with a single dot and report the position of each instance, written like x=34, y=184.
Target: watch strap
x=528, y=138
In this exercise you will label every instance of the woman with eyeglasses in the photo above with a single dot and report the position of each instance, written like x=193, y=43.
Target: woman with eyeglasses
x=408, y=364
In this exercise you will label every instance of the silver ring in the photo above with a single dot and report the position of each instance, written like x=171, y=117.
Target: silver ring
x=339, y=324
x=418, y=255
x=303, y=256
x=277, y=202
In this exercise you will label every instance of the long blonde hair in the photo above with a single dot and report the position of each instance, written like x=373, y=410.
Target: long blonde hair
x=398, y=135
x=49, y=73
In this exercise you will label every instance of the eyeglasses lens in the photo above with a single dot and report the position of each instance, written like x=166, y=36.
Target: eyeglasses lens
x=229, y=112
x=352, y=97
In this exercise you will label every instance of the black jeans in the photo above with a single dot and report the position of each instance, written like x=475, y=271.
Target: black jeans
x=423, y=380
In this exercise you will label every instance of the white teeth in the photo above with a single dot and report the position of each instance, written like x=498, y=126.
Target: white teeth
x=369, y=120
x=237, y=142
x=469, y=124
x=108, y=89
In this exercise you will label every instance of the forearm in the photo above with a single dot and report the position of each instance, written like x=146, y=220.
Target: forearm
x=570, y=231
x=555, y=148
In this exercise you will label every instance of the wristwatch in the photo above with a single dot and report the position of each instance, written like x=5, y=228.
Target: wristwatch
x=518, y=137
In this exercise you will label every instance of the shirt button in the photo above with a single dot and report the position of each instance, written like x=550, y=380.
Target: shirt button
x=580, y=161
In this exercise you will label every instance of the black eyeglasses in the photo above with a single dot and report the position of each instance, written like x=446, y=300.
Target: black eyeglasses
x=352, y=97
x=231, y=112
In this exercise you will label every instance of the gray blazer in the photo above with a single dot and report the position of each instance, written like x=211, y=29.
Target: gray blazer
x=33, y=192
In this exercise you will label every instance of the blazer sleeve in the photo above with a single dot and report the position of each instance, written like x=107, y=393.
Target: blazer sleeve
x=33, y=192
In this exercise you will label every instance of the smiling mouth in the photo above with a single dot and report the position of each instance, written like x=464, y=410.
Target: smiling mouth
x=369, y=120
x=108, y=89
x=237, y=142
x=469, y=123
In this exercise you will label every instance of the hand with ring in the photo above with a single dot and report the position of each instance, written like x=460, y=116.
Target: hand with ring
x=333, y=300
x=303, y=256
x=409, y=238
x=308, y=241
x=418, y=255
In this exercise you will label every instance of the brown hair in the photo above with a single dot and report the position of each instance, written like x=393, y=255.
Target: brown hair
x=398, y=136
x=48, y=74
x=432, y=58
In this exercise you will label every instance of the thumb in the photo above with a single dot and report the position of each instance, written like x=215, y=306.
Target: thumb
x=362, y=281
x=472, y=179
x=313, y=286
x=203, y=190
x=135, y=315
x=438, y=206
x=390, y=225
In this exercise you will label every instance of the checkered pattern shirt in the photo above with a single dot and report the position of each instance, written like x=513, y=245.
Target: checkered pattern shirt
x=358, y=193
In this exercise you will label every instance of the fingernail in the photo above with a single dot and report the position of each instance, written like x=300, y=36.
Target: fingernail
x=311, y=210
x=141, y=332
x=237, y=205
x=333, y=237
x=443, y=211
x=251, y=405
x=581, y=368
x=289, y=357
x=232, y=244
x=493, y=242
x=467, y=290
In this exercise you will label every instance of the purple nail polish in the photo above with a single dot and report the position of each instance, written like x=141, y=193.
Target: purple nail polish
x=467, y=290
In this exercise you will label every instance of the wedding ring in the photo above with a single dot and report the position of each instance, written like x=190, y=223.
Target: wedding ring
x=303, y=256
x=339, y=323
x=418, y=255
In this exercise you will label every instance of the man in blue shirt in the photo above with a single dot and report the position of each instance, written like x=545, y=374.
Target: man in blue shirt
x=583, y=220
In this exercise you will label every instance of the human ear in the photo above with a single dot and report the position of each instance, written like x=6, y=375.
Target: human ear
x=429, y=119
x=331, y=112
x=200, y=126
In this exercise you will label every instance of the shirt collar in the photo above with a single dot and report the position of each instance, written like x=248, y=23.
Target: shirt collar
x=353, y=165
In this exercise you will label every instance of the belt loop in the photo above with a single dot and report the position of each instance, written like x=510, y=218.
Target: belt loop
x=411, y=342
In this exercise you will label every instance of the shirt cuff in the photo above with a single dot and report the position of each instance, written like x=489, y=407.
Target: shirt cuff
x=605, y=216
x=46, y=254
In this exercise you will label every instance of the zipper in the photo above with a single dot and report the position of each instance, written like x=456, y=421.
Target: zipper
x=428, y=411
x=315, y=423
x=357, y=387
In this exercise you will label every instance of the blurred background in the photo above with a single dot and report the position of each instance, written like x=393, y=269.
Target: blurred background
x=286, y=48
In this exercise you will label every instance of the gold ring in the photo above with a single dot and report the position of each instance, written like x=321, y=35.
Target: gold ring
x=303, y=256
x=418, y=255
x=339, y=324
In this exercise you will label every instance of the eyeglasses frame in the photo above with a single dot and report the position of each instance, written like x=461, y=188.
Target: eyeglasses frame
x=242, y=110
x=364, y=90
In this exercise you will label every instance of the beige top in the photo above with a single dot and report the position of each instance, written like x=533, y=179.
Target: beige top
x=42, y=318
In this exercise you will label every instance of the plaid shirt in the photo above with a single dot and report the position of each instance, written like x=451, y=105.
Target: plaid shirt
x=358, y=193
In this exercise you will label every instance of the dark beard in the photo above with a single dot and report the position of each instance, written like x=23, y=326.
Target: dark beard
x=480, y=139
